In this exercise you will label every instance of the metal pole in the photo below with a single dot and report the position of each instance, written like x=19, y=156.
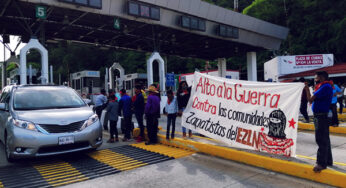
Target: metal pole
x=3, y=84
x=106, y=81
x=59, y=79
x=30, y=74
x=51, y=74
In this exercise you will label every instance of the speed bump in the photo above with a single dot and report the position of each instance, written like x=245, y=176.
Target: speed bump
x=78, y=167
x=164, y=150
x=60, y=173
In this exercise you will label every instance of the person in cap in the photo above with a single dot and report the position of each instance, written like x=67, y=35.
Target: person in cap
x=152, y=108
x=321, y=100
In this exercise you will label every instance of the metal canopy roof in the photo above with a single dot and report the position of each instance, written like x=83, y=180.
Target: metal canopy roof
x=95, y=26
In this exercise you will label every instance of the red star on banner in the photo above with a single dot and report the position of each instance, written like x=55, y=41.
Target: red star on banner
x=292, y=123
x=262, y=129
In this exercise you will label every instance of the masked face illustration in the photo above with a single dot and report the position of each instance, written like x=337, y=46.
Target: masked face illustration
x=277, y=124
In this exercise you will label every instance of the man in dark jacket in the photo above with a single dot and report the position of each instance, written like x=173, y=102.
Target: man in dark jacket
x=125, y=107
x=138, y=104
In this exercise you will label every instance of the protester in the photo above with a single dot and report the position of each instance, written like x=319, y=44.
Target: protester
x=125, y=107
x=105, y=119
x=158, y=114
x=112, y=111
x=321, y=101
x=304, y=103
x=171, y=109
x=152, y=108
x=100, y=104
x=341, y=98
x=183, y=96
x=138, y=104
x=336, y=91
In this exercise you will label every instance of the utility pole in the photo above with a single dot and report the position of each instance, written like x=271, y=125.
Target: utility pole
x=236, y=5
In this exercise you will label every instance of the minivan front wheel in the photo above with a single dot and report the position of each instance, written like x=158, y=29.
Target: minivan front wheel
x=7, y=151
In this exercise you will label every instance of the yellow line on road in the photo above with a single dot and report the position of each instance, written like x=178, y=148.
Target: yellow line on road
x=313, y=158
x=60, y=173
x=310, y=126
x=116, y=160
x=164, y=150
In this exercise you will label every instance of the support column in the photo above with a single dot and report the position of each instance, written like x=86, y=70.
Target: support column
x=106, y=81
x=3, y=72
x=221, y=63
x=51, y=74
x=251, y=66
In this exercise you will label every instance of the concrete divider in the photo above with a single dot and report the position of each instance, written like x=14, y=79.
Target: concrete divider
x=328, y=176
x=311, y=127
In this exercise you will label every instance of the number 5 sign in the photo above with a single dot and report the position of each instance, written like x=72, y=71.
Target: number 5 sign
x=41, y=12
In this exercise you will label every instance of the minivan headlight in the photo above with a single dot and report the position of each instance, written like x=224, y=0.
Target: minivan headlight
x=25, y=124
x=92, y=119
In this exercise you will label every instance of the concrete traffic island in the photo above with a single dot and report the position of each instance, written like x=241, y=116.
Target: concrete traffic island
x=328, y=176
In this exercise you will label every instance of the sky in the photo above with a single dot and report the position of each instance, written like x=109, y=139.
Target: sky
x=13, y=44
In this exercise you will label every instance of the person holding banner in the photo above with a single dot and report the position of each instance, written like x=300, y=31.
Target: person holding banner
x=183, y=96
x=321, y=101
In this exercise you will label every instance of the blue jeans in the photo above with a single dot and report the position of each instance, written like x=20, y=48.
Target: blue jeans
x=170, y=121
x=184, y=129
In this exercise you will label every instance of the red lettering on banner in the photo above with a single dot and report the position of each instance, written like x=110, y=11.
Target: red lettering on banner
x=249, y=138
x=241, y=95
x=309, y=60
x=204, y=106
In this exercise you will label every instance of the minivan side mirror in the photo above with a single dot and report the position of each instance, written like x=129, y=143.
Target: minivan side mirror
x=2, y=106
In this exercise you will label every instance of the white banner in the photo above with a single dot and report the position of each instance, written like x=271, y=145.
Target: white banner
x=301, y=63
x=250, y=115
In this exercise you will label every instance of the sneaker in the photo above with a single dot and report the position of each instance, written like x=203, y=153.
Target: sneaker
x=318, y=168
x=111, y=140
x=125, y=140
x=117, y=139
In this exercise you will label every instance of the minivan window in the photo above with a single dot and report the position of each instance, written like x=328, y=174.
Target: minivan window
x=46, y=98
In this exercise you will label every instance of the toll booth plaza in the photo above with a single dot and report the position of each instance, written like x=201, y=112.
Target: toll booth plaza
x=186, y=28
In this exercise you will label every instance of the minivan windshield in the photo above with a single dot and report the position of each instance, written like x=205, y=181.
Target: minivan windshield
x=35, y=98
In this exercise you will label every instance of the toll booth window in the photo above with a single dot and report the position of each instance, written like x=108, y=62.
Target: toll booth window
x=78, y=84
x=95, y=3
x=87, y=3
x=193, y=23
x=83, y=2
x=185, y=22
x=201, y=25
x=228, y=31
x=155, y=13
x=145, y=11
x=133, y=9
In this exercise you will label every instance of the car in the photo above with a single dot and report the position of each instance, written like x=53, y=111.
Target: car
x=44, y=120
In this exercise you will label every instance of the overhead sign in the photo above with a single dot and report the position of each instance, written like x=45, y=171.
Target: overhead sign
x=41, y=12
x=170, y=80
x=301, y=63
x=250, y=115
x=116, y=24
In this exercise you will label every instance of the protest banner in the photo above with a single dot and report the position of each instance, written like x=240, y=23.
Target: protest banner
x=244, y=114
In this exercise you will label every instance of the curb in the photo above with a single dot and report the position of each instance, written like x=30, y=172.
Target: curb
x=328, y=176
x=311, y=127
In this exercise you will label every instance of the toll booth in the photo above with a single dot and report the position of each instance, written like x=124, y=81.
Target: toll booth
x=131, y=80
x=14, y=76
x=86, y=82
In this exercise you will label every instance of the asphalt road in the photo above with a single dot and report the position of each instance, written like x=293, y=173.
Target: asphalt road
x=205, y=171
